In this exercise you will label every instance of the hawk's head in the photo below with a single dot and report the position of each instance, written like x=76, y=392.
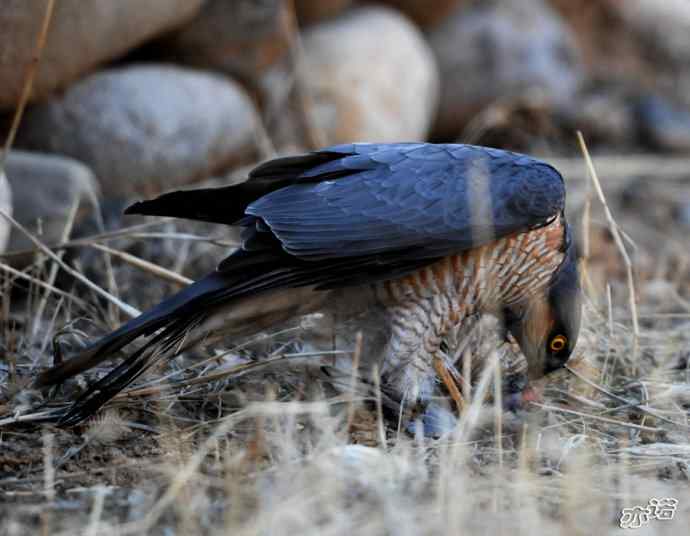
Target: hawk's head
x=547, y=324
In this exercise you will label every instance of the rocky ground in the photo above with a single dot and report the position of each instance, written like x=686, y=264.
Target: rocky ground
x=133, y=98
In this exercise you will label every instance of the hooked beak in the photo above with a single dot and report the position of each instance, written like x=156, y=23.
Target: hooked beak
x=530, y=324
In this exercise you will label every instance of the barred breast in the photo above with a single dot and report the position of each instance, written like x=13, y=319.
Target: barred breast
x=500, y=273
x=423, y=306
x=404, y=321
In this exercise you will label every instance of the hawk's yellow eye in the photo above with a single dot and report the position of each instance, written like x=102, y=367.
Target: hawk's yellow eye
x=558, y=343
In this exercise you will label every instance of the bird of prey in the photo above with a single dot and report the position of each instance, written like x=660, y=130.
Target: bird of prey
x=400, y=241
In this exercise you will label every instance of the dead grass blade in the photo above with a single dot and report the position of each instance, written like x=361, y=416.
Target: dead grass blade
x=48, y=287
x=613, y=226
x=125, y=232
x=353, y=382
x=640, y=407
x=127, y=309
x=596, y=417
x=55, y=268
x=215, y=376
x=147, y=266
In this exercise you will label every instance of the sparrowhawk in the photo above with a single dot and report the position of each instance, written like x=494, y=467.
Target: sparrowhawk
x=401, y=241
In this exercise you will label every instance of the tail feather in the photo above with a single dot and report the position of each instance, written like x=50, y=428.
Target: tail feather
x=178, y=306
x=228, y=203
x=166, y=325
x=216, y=205
x=129, y=370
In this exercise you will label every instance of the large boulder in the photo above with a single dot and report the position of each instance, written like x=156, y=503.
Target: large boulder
x=81, y=35
x=242, y=38
x=6, y=207
x=504, y=49
x=146, y=127
x=370, y=75
x=44, y=188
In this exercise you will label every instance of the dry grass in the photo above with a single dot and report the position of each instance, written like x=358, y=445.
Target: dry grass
x=249, y=439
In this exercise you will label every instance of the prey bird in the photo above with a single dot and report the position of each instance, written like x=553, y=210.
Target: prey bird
x=402, y=242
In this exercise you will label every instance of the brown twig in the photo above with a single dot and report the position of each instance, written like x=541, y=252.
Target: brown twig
x=449, y=382
x=150, y=267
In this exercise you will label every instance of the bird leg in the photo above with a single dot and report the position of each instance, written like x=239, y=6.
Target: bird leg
x=449, y=382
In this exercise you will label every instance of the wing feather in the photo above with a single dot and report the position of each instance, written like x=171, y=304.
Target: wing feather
x=440, y=198
x=402, y=201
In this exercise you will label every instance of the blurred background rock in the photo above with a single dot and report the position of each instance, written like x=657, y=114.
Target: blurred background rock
x=142, y=97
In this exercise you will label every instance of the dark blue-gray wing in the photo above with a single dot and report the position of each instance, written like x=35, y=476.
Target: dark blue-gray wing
x=433, y=199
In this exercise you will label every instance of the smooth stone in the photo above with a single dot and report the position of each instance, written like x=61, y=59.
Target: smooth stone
x=146, y=127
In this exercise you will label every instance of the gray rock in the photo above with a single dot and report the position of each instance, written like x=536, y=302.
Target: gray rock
x=5, y=206
x=44, y=187
x=242, y=38
x=663, y=125
x=81, y=36
x=371, y=76
x=501, y=50
x=146, y=127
